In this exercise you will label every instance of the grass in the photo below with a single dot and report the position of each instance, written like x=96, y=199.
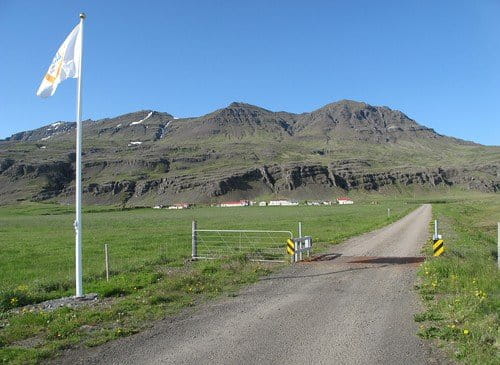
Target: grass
x=38, y=239
x=151, y=278
x=461, y=288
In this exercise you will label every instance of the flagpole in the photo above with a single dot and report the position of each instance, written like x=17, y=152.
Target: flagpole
x=78, y=198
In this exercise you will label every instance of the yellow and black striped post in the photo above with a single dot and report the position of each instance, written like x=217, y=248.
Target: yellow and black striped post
x=438, y=247
x=290, y=246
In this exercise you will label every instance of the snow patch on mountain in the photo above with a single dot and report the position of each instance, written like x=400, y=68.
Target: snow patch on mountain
x=142, y=120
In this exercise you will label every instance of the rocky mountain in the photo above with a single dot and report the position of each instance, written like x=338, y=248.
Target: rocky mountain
x=241, y=151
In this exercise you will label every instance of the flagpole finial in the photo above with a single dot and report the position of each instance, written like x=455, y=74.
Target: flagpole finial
x=82, y=16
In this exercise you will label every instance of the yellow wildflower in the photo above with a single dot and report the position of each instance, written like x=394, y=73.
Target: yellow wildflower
x=22, y=287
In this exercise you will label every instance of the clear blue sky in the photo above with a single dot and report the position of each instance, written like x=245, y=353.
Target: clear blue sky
x=437, y=61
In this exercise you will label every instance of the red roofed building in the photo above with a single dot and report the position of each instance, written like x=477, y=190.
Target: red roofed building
x=239, y=203
x=344, y=200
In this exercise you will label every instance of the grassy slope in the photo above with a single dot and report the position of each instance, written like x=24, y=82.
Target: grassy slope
x=252, y=152
x=260, y=149
x=151, y=278
x=462, y=288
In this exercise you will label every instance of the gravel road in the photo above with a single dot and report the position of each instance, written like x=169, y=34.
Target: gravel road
x=324, y=312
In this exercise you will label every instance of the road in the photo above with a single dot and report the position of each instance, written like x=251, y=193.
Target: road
x=356, y=308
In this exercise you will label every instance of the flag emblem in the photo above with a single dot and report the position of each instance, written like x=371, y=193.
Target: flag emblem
x=65, y=64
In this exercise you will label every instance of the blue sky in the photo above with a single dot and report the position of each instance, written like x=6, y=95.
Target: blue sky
x=437, y=61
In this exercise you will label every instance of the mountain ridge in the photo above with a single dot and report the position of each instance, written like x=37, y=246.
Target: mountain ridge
x=241, y=150
x=361, y=111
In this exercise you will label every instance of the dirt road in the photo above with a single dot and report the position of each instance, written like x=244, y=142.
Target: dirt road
x=347, y=310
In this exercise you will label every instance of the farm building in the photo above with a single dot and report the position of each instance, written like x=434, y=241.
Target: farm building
x=180, y=206
x=317, y=203
x=262, y=204
x=344, y=201
x=239, y=203
x=313, y=203
x=283, y=202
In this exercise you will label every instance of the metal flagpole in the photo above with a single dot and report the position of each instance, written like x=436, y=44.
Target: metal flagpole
x=78, y=219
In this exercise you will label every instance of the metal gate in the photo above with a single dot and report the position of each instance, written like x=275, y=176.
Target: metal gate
x=257, y=245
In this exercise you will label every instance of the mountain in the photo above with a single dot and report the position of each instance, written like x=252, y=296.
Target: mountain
x=241, y=151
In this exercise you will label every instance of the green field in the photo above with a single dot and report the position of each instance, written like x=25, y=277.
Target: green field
x=151, y=274
x=461, y=288
x=38, y=240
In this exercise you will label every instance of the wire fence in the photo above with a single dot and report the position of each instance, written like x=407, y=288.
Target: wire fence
x=115, y=258
x=51, y=266
x=55, y=268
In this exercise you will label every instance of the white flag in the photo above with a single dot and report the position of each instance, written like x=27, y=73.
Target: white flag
x=66, y=64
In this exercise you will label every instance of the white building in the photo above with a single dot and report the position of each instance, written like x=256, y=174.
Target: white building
x=313, y=203
x=180, y=206
x=239, y=203
x=262, y=204
x=344, y=201
x=283, y=202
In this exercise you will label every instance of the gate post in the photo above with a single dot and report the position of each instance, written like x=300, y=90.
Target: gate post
x=194, y=241
x=295, y=254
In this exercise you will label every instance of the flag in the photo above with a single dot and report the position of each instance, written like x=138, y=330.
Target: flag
x=66, y=64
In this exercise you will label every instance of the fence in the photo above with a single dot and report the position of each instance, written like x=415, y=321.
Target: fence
x=108, y=260
x=131, y=250
x=258, y=245
x=55, y=268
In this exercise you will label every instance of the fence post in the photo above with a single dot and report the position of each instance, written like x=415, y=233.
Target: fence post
x=299, y=255
x=300, y=229
x=194, y=241
x=295, y=254
x=435, y=229
x=388, y=212
x=106, y=259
